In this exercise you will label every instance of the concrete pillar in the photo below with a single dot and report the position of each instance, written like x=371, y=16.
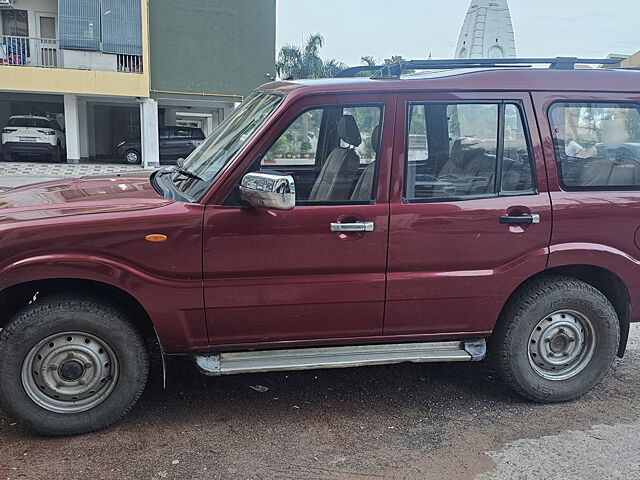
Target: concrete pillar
x=149, y=130
x=72, y=127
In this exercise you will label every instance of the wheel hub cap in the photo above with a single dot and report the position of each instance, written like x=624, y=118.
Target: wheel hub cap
x=561, y=345
x=70, y=372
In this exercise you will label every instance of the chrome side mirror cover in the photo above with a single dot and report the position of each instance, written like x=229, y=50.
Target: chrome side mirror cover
x=266, y=189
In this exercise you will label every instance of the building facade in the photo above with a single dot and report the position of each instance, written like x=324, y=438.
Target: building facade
x=112, y=70
x=487, y=31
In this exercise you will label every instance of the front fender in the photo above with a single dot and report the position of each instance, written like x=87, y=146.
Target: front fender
x=175, y=306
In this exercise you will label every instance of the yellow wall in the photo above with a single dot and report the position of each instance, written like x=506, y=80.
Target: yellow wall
x=83, y=82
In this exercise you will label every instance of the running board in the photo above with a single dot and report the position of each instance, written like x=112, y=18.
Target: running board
x=228, y=363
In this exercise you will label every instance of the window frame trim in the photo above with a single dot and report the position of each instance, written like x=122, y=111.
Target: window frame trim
x=498, y=192
x=585, y=188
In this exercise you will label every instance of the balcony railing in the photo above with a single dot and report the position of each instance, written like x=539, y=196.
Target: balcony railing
x=29, y=51
x=46, y=52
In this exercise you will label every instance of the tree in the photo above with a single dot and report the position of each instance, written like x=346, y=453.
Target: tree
x=305, y=62
x=367, y=61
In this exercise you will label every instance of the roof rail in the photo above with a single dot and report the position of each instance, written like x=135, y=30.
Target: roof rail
x=397, y=69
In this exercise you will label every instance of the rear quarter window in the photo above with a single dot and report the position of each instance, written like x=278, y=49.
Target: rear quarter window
x=597, y=145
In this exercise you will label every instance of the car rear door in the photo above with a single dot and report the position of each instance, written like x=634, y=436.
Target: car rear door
x=286, y=276
x=470, y=215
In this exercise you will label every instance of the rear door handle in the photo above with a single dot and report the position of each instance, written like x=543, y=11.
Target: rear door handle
x=520, y=219
x=352, y=227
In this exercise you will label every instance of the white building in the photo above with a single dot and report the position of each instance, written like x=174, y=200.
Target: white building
x=487, y=31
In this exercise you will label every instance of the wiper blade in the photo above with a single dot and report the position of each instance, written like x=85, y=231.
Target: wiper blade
x=187, y=173
x=180, y=169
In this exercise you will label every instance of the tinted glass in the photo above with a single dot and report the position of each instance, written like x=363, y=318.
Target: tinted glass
x=29, y=122
x=597, y=145
x=182, y=133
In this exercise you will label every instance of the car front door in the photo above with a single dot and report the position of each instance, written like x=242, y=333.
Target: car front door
x=471, y=217
x=273, y=275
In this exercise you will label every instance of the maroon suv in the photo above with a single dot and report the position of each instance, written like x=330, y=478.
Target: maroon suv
x=337, y=223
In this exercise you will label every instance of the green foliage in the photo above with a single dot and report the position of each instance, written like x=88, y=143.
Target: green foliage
x=305, y=62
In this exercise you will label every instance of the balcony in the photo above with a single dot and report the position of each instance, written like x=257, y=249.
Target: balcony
x=30, y=52
x=45, y=53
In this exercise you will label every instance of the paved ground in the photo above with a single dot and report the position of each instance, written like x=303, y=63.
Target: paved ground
x=432, y=421
x=15, y=174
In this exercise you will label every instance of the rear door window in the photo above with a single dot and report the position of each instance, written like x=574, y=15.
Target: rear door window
x=597, y=145
x=466, y=150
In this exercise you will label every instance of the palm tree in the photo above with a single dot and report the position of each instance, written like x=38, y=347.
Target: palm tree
x=367, y=61
x=332, y=67
x=305, y=62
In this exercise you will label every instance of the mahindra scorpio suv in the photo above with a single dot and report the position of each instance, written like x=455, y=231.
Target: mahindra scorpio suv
x=460, y=210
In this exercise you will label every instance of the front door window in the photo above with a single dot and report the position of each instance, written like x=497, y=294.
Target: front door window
x=331, y=152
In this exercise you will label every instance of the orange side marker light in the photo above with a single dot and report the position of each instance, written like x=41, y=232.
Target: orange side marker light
x=156, y=238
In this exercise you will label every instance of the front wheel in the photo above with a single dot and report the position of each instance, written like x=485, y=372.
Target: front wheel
x=70, y=364
x=556, y=340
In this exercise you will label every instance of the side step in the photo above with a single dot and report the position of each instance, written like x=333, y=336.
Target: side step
x=228, y=363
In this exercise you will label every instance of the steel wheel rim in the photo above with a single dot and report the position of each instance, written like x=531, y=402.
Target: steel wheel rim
x=132, y=157
x=70, y=372
x=561, y=345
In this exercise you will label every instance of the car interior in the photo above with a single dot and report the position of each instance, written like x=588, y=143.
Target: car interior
x=609, y=162
x=445, y=163
x=340, y=166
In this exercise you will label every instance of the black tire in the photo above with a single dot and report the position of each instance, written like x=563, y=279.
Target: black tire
x=516, y=354
x=9, y=157
x=56, y=155
x=132, y=157
x=55, y=315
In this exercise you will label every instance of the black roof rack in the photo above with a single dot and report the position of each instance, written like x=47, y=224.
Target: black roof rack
x=397, y=69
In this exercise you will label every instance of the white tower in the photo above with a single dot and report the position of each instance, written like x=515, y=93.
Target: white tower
x=487, y=31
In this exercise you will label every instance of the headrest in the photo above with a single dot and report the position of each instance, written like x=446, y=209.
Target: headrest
x=462, y=151
x=348, y=130
x=375, y=139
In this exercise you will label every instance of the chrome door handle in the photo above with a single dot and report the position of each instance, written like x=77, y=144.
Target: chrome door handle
x=352, y=227
x=517, y=219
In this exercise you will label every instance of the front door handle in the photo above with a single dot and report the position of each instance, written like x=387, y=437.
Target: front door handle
x=520, y=219
x=352, y=227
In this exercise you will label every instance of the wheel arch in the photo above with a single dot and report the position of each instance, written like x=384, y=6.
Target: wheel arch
x=606, y=281
x=16, y=296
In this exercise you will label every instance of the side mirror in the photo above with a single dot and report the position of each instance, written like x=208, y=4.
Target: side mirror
x=266, y=189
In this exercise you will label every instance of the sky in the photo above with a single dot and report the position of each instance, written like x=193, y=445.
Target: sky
x=413, y=28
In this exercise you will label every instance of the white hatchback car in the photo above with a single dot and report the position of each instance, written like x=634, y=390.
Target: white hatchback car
x=31, y=135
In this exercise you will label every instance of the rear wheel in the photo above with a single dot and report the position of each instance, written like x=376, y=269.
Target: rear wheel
x=9, y=157
x=132, y=157
x=557, y=340
x=70, y=364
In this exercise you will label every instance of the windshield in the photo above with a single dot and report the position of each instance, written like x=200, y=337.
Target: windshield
x=207, y=162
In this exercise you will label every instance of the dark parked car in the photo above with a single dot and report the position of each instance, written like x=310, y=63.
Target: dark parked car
x=338, y=223
x=175, y=142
